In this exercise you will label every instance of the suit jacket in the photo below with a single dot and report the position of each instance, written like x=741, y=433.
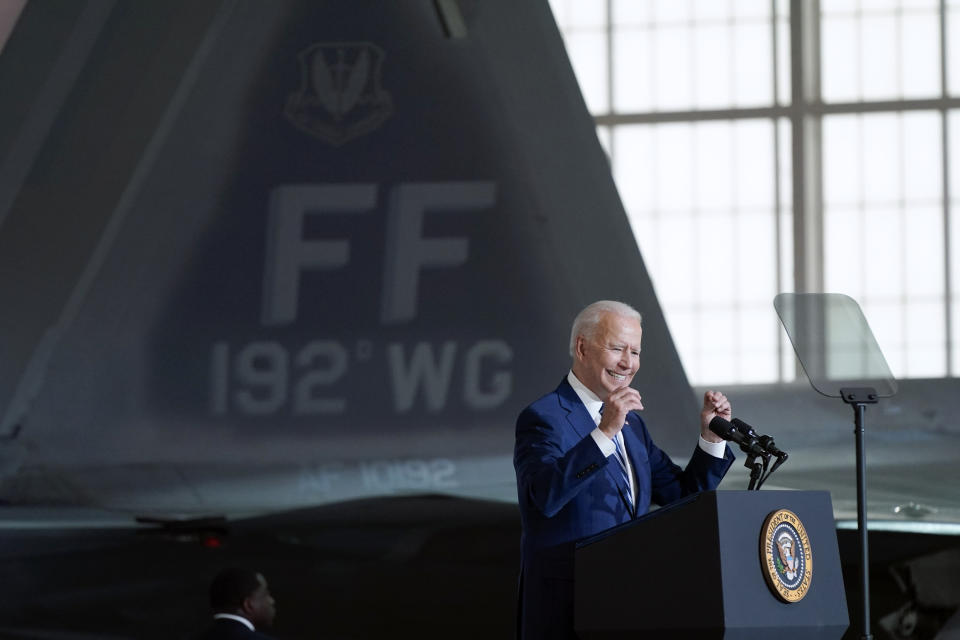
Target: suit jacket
x=568, y=490
x=227, y=629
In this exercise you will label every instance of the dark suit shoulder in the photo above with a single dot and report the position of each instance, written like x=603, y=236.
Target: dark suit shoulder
x=547, y=401
x=562, y=397
x=225, y=629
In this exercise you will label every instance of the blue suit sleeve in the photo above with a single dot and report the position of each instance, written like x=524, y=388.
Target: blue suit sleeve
x=550, y=470
x=669, y=482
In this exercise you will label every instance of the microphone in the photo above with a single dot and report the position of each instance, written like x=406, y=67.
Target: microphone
x=765, y=442
x=750, y=445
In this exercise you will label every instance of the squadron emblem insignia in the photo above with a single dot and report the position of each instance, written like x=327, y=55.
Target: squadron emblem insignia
x=340, y=96
x=785, y=555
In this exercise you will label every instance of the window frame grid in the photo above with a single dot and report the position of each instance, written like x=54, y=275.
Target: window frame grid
x=805, y=110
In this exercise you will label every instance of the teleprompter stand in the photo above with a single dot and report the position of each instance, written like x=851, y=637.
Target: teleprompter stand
x=842, y=359
x=859, y=398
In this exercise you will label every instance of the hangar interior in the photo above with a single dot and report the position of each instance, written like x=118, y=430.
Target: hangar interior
x=280, y=276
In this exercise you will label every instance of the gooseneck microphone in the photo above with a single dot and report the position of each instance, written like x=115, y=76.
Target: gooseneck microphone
x=766, y=442
x=750, y=445
x=754, y=445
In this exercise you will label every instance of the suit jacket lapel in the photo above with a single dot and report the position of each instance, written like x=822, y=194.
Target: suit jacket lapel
x=582, y=424
x=577, y=416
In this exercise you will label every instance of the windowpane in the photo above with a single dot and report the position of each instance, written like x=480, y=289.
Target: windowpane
x=842, y=175
x=925, y=5
x=671, y=11
x=757, y=335
x=784, y=145
x=630, y=13
x=712, y=66
x=885, y=247
x=953, y=47
x=788, y=363
x=751, y=9
x=706, y=226
x=633, y=63
x=879, y=44
x=690, y=187
x=716, y=336
x=925, y=337
x=588, y=55
x=673, y=144
x=586, y=15
x=922, y=157
x=830, y=7
x=785, y=160
x=843, y=251
x=880, y=157
x=954, y=155
x=633, y=168
x=880, y=50
x=710, y=10
x=923, y=246
x=714, y=169
x=755, y=258
x=753, y=71
x=673, y=85
x=680, y=55
x=885, y=6
x=677, y=275
x=683, y=330
x=920, y=66
x=883, y=259
x=784, y=91
x=840, y=61
x=786, y=250
x=712, y=248
x=954, y=144
x=753, y=164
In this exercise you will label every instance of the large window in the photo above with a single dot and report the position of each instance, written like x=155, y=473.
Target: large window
x=762, y=146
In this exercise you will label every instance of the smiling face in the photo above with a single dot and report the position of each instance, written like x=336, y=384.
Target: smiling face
x=608, y=358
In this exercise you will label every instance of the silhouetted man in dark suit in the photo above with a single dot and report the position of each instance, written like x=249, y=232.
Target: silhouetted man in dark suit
x=241, y=602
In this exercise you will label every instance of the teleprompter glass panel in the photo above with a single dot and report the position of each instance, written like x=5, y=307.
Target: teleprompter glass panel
x=834, y=343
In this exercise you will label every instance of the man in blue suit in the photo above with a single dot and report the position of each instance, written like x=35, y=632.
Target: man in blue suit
x=585, y=463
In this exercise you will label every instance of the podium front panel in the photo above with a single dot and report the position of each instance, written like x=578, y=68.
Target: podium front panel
x=694, y=570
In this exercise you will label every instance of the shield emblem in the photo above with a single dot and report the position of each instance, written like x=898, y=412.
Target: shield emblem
x=340, y=97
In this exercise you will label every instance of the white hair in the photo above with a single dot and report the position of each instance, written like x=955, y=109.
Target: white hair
x=585, y=324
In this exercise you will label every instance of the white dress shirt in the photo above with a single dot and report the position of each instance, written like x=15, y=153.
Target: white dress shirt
x=230, y=616
x=593, y=404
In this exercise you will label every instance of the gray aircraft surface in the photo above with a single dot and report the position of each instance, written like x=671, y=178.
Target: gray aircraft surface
x=279, y=276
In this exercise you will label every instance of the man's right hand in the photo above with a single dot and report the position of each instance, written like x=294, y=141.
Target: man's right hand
x=615, y=409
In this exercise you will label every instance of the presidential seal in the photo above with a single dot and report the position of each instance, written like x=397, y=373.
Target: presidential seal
x=785, y=555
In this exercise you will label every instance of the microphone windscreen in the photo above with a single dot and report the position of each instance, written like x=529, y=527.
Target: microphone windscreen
x=722, y=428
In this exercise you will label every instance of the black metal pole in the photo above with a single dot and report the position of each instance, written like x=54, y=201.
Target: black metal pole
x=755, y=471
x=859, y=398
x=859, y=409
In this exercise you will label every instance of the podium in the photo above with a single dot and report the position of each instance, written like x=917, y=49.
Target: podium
x=699, y=568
